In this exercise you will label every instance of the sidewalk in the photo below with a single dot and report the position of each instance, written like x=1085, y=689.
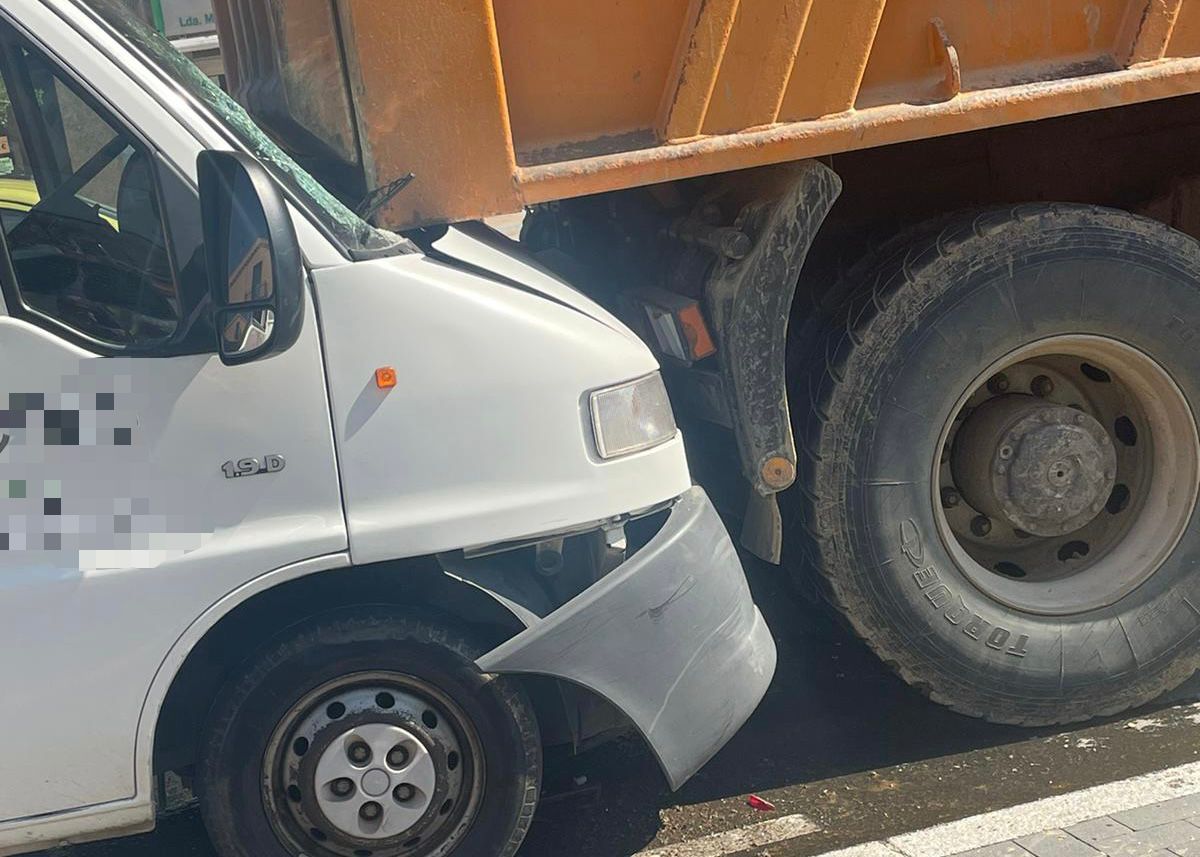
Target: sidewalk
x=1154, y=815
x=1170, y=827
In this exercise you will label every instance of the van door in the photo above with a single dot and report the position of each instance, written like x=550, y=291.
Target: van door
x=124, y=513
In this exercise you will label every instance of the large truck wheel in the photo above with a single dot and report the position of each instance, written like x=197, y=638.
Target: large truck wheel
x=369, y=733
x=999, y=461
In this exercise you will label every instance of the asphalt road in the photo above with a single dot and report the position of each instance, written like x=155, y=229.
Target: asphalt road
x=838, y=739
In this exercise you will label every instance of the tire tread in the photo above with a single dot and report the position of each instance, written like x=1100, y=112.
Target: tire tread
x=349, y=626
x=820, y=353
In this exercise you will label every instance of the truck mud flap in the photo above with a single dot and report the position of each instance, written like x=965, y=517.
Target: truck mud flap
x=749, y=302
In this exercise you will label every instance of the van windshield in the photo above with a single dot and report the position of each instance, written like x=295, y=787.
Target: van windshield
x=356, y=235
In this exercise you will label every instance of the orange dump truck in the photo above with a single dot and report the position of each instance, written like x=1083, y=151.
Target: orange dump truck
x=921, y=274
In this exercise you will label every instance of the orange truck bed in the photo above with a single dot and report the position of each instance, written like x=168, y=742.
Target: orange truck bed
x=497, y=104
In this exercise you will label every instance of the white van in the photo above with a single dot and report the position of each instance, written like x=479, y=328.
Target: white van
x=344, y=529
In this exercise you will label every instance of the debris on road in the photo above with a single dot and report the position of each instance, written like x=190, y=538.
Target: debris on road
x=761, y=804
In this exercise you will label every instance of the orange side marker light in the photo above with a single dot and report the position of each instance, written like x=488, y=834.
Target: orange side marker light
x=385, y=377
x=700, y=341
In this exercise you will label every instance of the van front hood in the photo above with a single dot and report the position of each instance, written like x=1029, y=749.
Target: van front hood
x=478, y=246
x=486, y=435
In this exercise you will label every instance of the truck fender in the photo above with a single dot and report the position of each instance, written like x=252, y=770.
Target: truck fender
x=749, y=301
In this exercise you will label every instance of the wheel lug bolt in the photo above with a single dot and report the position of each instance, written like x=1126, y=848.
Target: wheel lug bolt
x=950, y=497
x=370, y=811
x=359, y=753
x=998, y=383
x=342, y=787
x=981, y=525
x=1041, y=386
x=404, y=792
x=397, y=757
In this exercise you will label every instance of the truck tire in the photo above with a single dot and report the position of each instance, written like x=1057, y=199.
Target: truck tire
x=999, y=460
x=369, y=732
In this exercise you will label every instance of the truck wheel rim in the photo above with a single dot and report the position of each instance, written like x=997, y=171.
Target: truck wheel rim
x=372, y=764
x=1067, y=474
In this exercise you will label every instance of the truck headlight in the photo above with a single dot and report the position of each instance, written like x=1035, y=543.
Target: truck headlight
x=632, y=416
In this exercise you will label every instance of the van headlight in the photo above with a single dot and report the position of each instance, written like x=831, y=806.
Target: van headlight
x=632, y=416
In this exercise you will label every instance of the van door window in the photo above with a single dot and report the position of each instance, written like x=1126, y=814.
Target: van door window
x=80, y=211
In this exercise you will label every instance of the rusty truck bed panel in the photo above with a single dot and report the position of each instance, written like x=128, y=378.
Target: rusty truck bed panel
x=495, y=104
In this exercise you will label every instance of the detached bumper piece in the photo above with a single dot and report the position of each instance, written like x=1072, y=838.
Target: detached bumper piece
x=671, y=638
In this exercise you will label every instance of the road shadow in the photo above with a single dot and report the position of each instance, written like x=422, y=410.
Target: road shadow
x=833, y=709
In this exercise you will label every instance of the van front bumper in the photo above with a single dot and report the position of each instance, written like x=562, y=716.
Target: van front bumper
x=671, y=637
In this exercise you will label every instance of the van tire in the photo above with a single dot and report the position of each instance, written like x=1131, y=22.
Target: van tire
x=902, y=335
x=255, y=704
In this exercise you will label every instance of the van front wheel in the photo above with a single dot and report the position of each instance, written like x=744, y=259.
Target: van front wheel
x=369, y=733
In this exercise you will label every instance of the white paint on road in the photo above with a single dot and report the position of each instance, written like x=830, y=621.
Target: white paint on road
x=867, y=849
x=965, y=834
x=1025, y=819
x=1145, y=724
x=736, y=841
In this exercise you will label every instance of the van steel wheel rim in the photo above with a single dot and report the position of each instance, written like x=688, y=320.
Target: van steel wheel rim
x=1067, y=473
x=372, y=764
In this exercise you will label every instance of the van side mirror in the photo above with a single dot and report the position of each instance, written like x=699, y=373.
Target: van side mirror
x=255, y=274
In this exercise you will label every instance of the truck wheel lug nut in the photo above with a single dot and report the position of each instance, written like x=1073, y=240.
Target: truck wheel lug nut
x=998, y=384
x=342, y=787
x=397, y=757
x=404, y=792
x=981, y=525
x=1041, y=386
x=950, y=497
x=370, y=811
